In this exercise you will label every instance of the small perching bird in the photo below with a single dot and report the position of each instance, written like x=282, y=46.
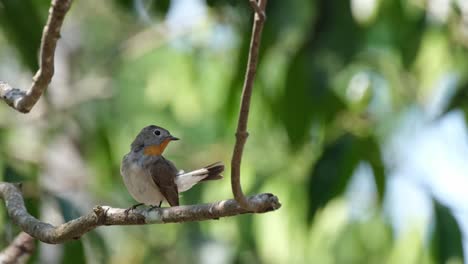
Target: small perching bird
x=150, y=178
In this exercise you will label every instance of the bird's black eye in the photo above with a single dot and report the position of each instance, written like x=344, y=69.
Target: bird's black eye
x=157, y=132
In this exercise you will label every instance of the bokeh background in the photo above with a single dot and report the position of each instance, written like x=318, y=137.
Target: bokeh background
x=358, y=124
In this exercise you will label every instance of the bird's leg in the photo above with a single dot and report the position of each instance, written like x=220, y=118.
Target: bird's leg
x=156, y=206
x=133, y=207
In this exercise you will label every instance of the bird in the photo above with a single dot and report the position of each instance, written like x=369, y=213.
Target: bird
x=152, y=179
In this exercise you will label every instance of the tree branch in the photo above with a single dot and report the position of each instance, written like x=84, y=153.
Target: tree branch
x=19, y=250
x=104, y=215
x=23, y=101
x=241, y=133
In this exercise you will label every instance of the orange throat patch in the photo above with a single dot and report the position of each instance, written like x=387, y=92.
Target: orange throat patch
x=155, y=150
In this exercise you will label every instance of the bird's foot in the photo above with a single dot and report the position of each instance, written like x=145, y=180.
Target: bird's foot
x=133, y=207
x=156, y=206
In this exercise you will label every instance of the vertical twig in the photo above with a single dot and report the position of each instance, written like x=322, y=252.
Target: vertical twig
x=23, y=101
x=241, y=133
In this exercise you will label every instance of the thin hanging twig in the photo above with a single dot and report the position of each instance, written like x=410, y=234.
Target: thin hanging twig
x=241, y=133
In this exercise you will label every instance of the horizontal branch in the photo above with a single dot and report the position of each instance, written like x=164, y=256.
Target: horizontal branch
x=104, y=215
x=23, y=101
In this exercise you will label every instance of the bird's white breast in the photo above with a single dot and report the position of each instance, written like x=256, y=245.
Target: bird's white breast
x=140, y=185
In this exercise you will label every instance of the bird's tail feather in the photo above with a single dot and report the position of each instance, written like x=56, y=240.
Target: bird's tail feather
x=187, y=180
x=214, y=171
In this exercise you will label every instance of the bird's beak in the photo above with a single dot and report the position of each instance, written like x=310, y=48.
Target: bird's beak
x=173, y=138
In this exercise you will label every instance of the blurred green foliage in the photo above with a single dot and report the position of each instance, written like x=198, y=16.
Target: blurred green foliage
x=23, y=22
x=332, y=80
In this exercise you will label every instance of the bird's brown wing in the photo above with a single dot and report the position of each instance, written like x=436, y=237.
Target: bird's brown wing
x=163, y=174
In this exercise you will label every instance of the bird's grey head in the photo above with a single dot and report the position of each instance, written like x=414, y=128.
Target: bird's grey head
x=152, y=140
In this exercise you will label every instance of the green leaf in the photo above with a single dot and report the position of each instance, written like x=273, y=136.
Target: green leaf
x=401, y=27
x=10, y=174
x=92, y=244
x=459, y=100
x=280, y=17
x=332, y=172
x=68, y=209
x=232, y=100
x=307, y=98
x=73, y=250
x=245, y=225
x=221, y=3
x=22, y=23
x=335, y=31
x=159, y=7
x=447, y=242
x=370, y=151
x=124, y=4
x=95, y=247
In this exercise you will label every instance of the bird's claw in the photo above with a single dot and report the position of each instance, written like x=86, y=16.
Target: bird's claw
x=156, y=206
x=131, y=208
